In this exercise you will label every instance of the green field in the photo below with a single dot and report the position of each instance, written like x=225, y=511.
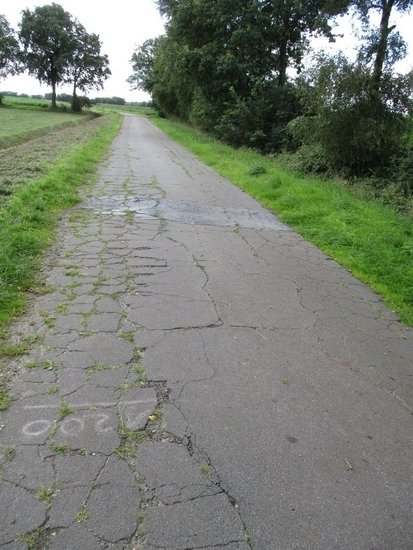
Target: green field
x=26, y=103
x=17, y=122
x=24, y=119
x=108, y=107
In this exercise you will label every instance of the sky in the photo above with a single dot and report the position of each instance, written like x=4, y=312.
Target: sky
x=124, y=24
x=121, y=25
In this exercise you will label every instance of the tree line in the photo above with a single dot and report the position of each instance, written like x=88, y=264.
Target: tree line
x=225, y=67
x=54, y=47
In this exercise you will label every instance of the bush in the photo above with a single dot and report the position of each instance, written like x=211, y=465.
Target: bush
x=353, y=132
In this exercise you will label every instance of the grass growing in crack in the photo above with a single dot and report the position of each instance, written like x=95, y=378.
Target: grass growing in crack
x=138, y=353
x=141, y=520
x=133, y=436
x=53, y=389
x=80, y=216
x=31, y=339
x=4, y=399
x=60, y=448
x=87, y=333
x=128, y=336
x=84, y=452
x=45, y=495
x=47, y=319
x=8, y=451
x=130, y=217
x=48, y=364
x=53, y=430
x=32, y=538
x=71, y=272
x=126, y=451
x=64, y=410
x=41, y=289
x=99, y=368
x=82, y=515
x=204, y=469
x=140, y=371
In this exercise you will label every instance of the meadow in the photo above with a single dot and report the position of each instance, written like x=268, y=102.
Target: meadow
x=24, y=119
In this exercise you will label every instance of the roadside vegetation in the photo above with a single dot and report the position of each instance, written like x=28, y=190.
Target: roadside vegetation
x=330, y=150
x=226, y=68
x=373, y=241
x=39, y=179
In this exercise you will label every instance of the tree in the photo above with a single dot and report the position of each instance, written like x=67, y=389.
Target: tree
x=142, y=62
x=46, y=36
x=87, y=68
x=344, y=130
x=9, y=50
x=383, y=43
x=287, y=24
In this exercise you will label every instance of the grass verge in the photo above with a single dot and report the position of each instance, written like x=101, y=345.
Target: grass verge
x=370, y=240
x=28, y=220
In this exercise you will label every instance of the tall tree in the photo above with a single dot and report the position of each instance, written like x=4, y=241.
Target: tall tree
x=382, y=39
x=46, y=36
x=87, y=68
x=142, y=62
x=287, y=25
x=9, y=50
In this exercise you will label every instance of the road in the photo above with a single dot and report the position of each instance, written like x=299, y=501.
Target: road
x=205, y=379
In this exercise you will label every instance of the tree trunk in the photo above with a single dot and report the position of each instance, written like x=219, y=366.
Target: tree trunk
x=282, y=75
x=53, y=94
x=385, y=30
x=75, y=102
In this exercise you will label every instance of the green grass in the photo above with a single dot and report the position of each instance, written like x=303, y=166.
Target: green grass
x=20, y=125
x=28, y=220
x=372, y=241
x=107, y=108
x=26, y=103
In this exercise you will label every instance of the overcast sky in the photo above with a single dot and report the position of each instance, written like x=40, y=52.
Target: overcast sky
x=122, y=25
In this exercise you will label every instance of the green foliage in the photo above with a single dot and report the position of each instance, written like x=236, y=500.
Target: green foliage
x=222, y=66
x=261, y=121
x=58, y=49
x=142, y=62
x=345, y=128
x=87, y=67
x=47, y=58
x=370, y=240
x=9, y=50
x=28, y=219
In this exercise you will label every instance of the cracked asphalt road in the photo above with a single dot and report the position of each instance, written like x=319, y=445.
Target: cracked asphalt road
x=205, y=379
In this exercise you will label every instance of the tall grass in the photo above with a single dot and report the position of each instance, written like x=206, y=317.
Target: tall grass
x=372, y=241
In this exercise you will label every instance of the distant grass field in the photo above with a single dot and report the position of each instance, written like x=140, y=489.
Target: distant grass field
x=22, y=119
x=16, y=122
x=26, y=103
x=107, y=107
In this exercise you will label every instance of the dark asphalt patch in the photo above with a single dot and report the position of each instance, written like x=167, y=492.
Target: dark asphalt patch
x=192, y=214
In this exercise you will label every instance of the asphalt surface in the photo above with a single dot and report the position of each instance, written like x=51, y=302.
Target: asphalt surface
x=205, y=379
